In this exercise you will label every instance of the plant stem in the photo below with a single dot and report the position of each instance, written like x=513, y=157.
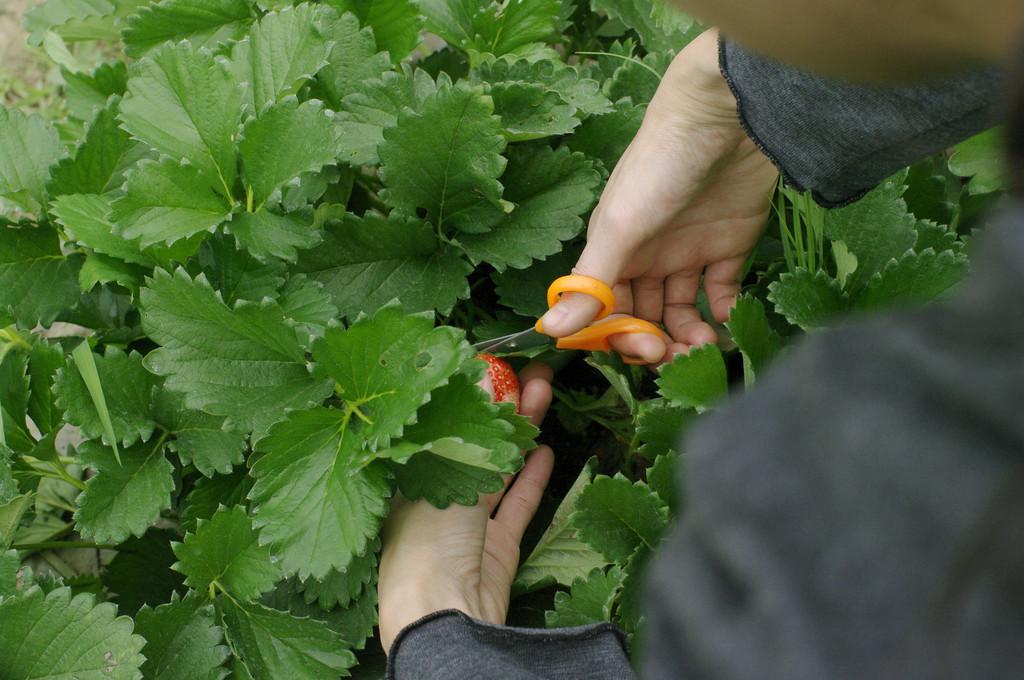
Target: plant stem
x=63, y=545
x=624, y=58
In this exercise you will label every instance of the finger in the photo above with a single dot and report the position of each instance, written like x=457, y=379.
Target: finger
x=682, y=319
x=602, y=259
x=535, y=394
x=650, y=348
x=648, y=298
x=523, y=497
x=722, y=285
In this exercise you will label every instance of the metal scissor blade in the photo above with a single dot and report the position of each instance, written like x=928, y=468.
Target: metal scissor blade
x=513, y=342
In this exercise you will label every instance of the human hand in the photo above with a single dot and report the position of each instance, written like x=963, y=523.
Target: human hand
x=462, y=558
x=689, y=199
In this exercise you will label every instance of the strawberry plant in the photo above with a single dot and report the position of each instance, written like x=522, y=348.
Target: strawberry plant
x=237, y=276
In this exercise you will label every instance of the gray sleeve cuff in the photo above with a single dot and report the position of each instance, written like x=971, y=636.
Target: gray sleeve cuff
x=839, y=140
x=450, y=645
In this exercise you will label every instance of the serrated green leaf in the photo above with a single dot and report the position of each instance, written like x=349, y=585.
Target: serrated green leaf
x=315, y=503
x=446, y=159
x=266, y=234
x=442, y=481
x=584, y=94
x=387, y=365
x=140, y=573
x=199, y=438
x=663, y=478
x=525, y=290
x=123, y=499
x=166, y=202
x=243, y=362
x=808, y=300
x=235, y=274
x=86, y=220
x=99, y=269
x=10, y=563
x=340, y=587
x=660, y=26
x=366, y=262
x=616, y=517
x=354, y=624
x=202, y=22
x=87, y=91
x=128, y=395
x=914, y=279
x=305, y=302
x=606, y=137
x=695, y=380
x=98, y=163
x=875, y=229
x=497, y=28
x=588, y=601
x=184, y=103
x=209, y=493
x=224, y=552
x=632, y=598
x=983, y=159
x=14, y=395
x=531, y=111
x=559, y=554
x=367, y=113
x=73, y=20
x=552, y=189
x=44, y=362
x=283, y=51
x=395, y=23
x=270, y=156
x=11, y=514
x=183, y=641
x=756, y=339
x=275, y=644
x=938, y=237
x=660, y=426
x=36, y=281
x=96, y=644
x=8, y=486
x=29, y=145
x=354, y=60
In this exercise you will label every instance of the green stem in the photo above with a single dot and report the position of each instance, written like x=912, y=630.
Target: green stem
x=63, y=545
x=624, y=58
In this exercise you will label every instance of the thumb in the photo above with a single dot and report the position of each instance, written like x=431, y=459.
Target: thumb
x=602, y=260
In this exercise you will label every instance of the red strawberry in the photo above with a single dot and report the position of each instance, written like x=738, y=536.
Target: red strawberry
x=501, y=382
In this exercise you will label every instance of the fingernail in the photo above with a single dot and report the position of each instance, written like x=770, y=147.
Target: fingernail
x=555, y=315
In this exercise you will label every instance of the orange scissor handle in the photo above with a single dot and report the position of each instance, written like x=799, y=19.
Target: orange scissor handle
x=594, y=338
x=577, y=283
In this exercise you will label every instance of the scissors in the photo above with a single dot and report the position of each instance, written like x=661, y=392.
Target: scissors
x=593, y=338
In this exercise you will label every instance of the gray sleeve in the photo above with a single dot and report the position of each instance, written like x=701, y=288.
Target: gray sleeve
x=859, y=513
x=449, y=645
x=839, y=140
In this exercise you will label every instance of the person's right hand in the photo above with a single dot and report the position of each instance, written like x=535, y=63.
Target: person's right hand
x=687, y=201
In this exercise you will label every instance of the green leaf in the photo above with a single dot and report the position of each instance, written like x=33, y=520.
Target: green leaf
x=367, y=113
x=86, y=91
x=606, y=137
x=525, y=290
x=306, y=303
x=387, y=365
x=282, y=52
x=199, y=438
x=446, y=159
x=86, y=220
x=663, y=478
x=8, y=485
x=660, y=26
x=354, y=60
x=366, y=262
x=44, y=362
x=638, y=78
x=584, y=94
x=224, y=552
x=14, y=395
x=270, y=156
x=123, y=499
x=140, y=573
x=914, y=279
x=808, y=300
x=531, y=111
x=559, y=554
x=166, y=202
x=99, y=269
x=315, y=502
x=99, y=162
x=354, y=624
x=589, y=600
x=695, y=380
x=95, y=643
x=632, y=598
x=209, y=493
x=340, y=587
x=983, y=159
x=36, y=281
x=395, y=23
x=660, y=426
x=266, y=234
x=85, y=362
x=756, y=339
x=184, y=103
x=202, y=22
x=235, y=274
x=498, y=28
x=243, y=362
x=274, y=644
x=127, y=396
x=875, y=229
x=73, y=20
x=183, y=641
x=10, y=564
x=938, y=237
x=10, y=517
x=551, y=190
x=616, y=517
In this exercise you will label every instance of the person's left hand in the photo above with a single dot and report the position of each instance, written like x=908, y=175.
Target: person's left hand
x=463, y=558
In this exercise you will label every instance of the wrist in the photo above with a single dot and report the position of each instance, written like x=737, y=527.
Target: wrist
x=408, y=602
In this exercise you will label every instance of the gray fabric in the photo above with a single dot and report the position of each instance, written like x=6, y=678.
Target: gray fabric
x=840, y=140
x=453, y=646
